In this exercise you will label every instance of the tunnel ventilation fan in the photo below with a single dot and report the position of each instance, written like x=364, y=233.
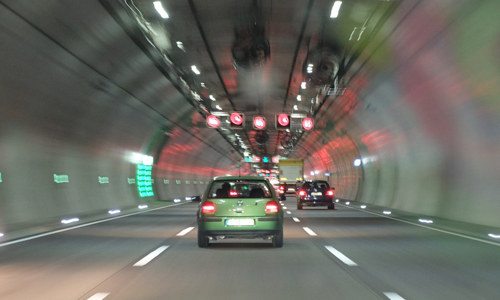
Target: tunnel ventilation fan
x=261, y=137
x=321, y=67
x=250, y=48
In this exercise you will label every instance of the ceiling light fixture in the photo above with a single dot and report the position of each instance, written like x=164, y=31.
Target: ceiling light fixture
x=303, y=85
x=299, y=98
x=195, y=70
x=211, y=98
x=310, y=68
x=335, y=9
x=160, y=9
x=181, y=46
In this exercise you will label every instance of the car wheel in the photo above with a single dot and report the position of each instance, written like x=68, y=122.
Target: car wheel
x=331, y=206
x=202, y=240
x=278, y=240
x=299, y=205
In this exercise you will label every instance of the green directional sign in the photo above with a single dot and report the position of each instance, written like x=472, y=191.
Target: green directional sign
x=144, y=181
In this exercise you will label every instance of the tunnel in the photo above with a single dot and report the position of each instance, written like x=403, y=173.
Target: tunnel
x=97, y=95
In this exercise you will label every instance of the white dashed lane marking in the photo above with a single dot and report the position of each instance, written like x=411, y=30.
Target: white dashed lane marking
x=393, y=296
x=309, y=231
x=340, y=256
x=185, y=231
x=98, y=296
x=296, y=220
x=150, y=257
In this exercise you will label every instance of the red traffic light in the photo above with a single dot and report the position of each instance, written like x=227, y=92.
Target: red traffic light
x=213, y=121
x=259, y=123
x=283, y=120
x=307, y=123
x=236, y=119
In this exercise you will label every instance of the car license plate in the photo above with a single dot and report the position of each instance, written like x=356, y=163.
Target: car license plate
x=239, y=222
x=317, y=193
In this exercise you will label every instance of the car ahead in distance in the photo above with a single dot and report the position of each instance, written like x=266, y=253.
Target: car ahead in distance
x=287, y=188
x=315, y=193
x=240, y=207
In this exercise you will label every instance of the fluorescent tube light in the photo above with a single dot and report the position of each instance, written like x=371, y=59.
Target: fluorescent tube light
x=335, y=9
x=160, y=9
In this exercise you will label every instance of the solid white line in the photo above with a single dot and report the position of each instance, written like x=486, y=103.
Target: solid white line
x=393, y=296
x=340, y=256
x=185, y=231
x=309, y=231
x=288, y=212
x=428, y=227
x=150, y=256
x=79, y=226
x=296, y=220
x=98, y=296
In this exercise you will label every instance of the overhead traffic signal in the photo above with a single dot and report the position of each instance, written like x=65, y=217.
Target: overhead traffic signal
x=259, y=123
x=236, y=120
x=213, y=121
x=282, y=121
x=307, y=123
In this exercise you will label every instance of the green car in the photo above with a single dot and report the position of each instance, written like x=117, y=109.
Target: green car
x=240, y=207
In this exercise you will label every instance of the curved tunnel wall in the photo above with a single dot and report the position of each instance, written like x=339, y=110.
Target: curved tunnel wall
x=75, y=113
x=426, y=124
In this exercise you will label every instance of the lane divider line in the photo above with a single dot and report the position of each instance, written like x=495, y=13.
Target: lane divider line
x=308, y=230
x=80, y=226
x=393, y=296
x=423, y=226
x=288, y=212
x=150, y=256
x=296, y=219
x=98, y=296
x=185, y=231
x=341, y=256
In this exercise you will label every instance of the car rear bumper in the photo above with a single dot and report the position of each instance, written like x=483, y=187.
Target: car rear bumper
x=325, y=202
x=240, y=233
x=262, y=224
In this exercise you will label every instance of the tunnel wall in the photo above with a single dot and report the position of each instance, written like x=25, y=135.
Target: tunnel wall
x=74, y=114
x=427, y=125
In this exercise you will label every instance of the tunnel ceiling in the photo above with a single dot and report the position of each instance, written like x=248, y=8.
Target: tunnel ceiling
x=252, y=58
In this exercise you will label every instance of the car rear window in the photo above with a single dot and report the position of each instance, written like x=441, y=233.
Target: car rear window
x=240, y=189
x=323, y=185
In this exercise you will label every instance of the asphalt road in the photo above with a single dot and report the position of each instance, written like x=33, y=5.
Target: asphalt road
x=345, y=254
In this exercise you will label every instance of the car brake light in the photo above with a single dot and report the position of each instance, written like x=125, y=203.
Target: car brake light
x=302, y=193
x=208, y=208
x=233, y=193
x=329, y=193
x=282, y=187
x=271, y=207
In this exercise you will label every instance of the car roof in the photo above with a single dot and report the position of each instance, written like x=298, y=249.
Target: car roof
x=240, y=178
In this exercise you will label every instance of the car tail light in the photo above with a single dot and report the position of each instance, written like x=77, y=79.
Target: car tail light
x=282, y=188
x=271, y=207
x=233, y=193
x=329, y=193
x=208, y=208
x=302, y=193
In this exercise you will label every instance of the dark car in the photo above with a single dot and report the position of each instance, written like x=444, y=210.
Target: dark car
x=315, y=193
